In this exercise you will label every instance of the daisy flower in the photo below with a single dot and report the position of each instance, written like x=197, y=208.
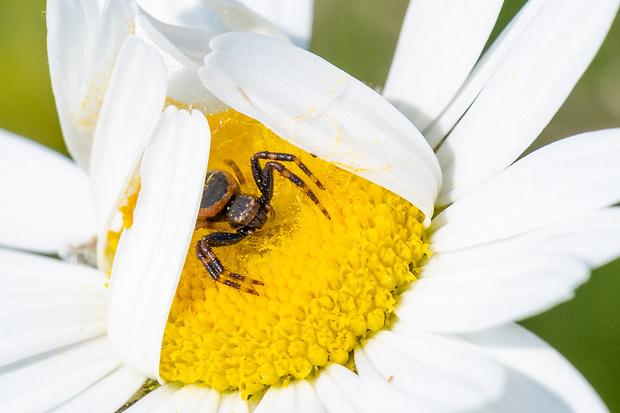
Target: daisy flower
x=394, y=286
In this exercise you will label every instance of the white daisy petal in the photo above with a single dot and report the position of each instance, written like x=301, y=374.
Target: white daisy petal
x=213, y=16
x=42, y=383
x=298, y=397
x=240, y=18
x=415, y=373
x=79, y=121
x=46, y=198
x=24, y=307
x=524, y=93
x=295, y=18
x=187, y=45
x=34, y=332
x=23, y=273
x=520, y=349
x=524, y=387
x=131, y=108
x=46, y=304
x=232, y=402
x=571, y=177
x=183, y=50
x=490, y=295
x=524, y=394
x=151, y=253
x=484, y=69
x=340, y=390
x=117, y=21
x=592, y=237
x=71, y=30
x=324, y=111
x=438, y=45
x=106, y=395
x=186, y=42
x=181, y=399
x=189, y=13
x=185, y=87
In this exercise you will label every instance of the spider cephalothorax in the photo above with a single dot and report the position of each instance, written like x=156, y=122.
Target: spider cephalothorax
x=222, y=200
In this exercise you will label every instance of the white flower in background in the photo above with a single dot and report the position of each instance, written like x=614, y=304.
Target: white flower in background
x=513, y=240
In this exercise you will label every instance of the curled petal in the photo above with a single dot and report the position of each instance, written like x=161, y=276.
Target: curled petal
x=151, y=254
x=79, y=100
x=131, y=108
x=324, y=111
x=71, y=31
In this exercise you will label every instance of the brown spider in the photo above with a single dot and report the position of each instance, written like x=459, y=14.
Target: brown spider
x=222, y=200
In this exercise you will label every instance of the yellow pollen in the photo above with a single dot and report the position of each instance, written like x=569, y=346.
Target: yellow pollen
x=328, y=283
x=126, y=209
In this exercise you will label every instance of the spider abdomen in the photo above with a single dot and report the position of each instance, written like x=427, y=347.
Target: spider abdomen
x=219, y=188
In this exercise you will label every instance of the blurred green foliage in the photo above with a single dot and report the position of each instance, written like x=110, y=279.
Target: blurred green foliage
x=26, y=101
x=359, y=36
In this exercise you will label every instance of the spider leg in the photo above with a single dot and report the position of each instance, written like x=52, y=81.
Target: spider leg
x=282, y=157
x=211, y=263
x=214, y=266
x=236, y=170
x=222, y=239
x=267, y=180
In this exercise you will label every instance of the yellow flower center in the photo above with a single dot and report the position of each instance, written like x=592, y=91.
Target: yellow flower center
x=328, y=283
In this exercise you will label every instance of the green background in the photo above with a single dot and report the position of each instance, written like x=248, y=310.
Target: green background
x=359, y=36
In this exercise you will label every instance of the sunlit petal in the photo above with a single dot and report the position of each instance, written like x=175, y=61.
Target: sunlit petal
x=71, y=31
x=523, y=94
x=592, y=237
x=571, y=177
x=151, y=253
x=295, y=18
x=106, y=394
x=33, y=179
x=527, y=354
x=341, y=390
x=298, y=397
x=40, y=384
x=174, y=398
x=405, y=373
x=324, y=111
x=132, y=105
x=439, y=43
x=487, y=296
